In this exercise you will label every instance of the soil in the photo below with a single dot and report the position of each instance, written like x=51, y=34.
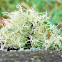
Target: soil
x=31, y=56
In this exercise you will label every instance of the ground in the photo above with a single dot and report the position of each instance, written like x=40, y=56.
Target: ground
x=31, y=56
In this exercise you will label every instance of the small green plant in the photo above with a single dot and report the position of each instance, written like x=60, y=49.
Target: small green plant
x=28, y=25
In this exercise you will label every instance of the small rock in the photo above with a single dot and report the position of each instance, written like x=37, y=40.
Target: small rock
x=61, y=55
x=50, y=51
x=0, y=59
x=32, y=59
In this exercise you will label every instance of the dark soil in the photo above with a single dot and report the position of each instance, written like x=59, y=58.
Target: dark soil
x=31, y=56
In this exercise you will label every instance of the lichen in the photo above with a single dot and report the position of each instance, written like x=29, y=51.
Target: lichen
x=29, y=23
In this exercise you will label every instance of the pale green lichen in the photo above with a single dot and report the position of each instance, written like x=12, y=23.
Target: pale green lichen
x=42, y=34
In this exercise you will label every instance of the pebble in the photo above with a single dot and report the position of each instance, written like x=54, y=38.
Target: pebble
x=35, y=57
x=3, y=55
x=61, y=55
x=17, y=54
x=0, y=59
x=32, y=59
x=35, y=49
x=50, y=51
